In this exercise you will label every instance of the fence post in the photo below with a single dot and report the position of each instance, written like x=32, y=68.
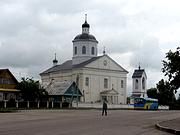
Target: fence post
x=27, y=104
x=17, y=105
x=5, y=105
x=60, y=104
x=47, y=104
x=38, y=104
x=52, y=104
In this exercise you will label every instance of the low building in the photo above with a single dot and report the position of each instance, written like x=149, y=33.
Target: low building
x=8, y=85
x=64, y=91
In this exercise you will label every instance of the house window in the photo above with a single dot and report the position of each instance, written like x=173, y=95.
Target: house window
x=1, y=80
x=5, y=81
x=75, y=50
x=83, y=50
x=87, y=81
x=136, y=84
x=122, y=84
x=105, y=83
x=143, y=83
x=92, y=50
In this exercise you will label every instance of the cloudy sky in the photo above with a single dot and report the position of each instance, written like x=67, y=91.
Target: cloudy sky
x=133, y=31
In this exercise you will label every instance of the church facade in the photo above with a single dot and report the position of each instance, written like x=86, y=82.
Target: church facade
x=98, y=77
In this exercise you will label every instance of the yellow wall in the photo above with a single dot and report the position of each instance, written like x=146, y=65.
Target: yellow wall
x=8, y=86
x=6, y=75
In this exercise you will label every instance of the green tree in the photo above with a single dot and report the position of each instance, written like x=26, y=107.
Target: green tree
x=171, y=68
x=31, y=90
x=165, y=93
x=178, y=101
x=152, y=93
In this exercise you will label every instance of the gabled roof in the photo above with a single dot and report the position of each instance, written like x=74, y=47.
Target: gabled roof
x=8, y=71
x=65, y=66
x=68, y=65
x=83, y=64
x=138, y=73
x=66, y=88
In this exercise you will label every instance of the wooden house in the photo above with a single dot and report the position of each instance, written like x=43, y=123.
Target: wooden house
x=8, y=85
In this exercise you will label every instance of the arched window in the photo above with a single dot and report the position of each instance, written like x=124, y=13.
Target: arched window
x=83, y=50
x=122, y=84
x=87, y=81
x=75, y=50
x=105, y=83
x=136, y=84
x=92, y=50
x=143, y=83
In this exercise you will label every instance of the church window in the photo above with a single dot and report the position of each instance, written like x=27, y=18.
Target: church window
x=87, y=81
x=122, y=84
x=83, y=50
x=92, y=50
x=105, y=83
x=143, y=83
x=136, y=84
x=75, y=50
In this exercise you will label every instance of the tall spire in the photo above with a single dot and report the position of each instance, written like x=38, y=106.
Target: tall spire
x=55, y=56
x=86, y=25
x=55, y=61
x=85, y=18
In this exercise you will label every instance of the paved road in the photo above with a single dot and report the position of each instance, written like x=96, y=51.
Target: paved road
x=84, y=122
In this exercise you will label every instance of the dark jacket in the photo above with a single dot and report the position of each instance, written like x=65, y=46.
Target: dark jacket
x=104, y=105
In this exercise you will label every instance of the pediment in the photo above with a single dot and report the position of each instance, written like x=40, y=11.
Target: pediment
x=109, y=92
x=105, y=62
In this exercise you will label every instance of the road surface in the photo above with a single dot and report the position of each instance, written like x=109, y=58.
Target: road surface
x=83, y=122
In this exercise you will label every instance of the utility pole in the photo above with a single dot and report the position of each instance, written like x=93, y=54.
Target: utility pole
x=72, y=97
x=77, y=83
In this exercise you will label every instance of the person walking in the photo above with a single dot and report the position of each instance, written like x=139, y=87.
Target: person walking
x=104, y=109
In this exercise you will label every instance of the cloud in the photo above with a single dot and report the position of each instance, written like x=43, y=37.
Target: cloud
x=148, y=55
x=31, y=31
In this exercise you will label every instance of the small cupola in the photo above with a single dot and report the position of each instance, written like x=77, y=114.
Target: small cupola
x=55, y=61
x=85, y=26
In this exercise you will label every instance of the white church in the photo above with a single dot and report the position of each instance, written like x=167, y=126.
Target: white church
x=98, y=78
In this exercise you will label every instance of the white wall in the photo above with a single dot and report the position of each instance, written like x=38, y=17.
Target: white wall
x=96, y=85
x=96, y=71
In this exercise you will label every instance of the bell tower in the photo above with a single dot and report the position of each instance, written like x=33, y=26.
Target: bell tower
x=139, y=79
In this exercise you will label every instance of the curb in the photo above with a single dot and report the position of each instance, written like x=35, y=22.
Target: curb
x=169, y=130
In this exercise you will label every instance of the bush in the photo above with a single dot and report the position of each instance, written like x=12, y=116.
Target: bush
x=8, y=110
x=174, y=106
